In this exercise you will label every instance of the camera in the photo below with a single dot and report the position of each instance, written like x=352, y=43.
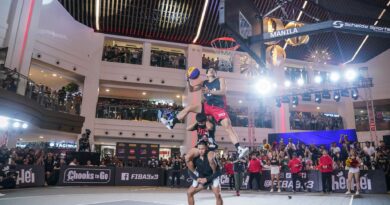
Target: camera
x=84, y=145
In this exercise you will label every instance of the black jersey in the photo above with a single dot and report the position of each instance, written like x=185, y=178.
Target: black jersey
x=204, y=169
x=206, y=135
x=215, y=100
x=274, y=162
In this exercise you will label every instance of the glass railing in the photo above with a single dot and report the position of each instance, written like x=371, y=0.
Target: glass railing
x=128, y=112
x=61, y=101
x=168, y=60
x=122, y=55
x=320, y=122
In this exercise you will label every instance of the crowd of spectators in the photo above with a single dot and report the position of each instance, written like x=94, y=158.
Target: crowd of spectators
x=121, y=54
x=139, y=110
x=168, y=59
x=315, y=121
x=57, y=100
x=208, y=62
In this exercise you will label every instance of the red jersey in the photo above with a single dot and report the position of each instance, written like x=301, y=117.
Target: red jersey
x=229, y=168
x=254, y=166
x=326, y=164
x=295, y=165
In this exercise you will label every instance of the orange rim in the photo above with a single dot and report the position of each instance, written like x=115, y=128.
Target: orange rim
x=225, y=39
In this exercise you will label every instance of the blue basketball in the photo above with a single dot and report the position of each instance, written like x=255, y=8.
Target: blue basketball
x=193, y=73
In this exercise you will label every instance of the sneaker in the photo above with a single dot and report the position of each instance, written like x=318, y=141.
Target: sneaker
x=242, y=152
x=348, y=192
x=166, y=123
x=272, y=190
x=357, y=193
x=279, y=190
x=237, y=193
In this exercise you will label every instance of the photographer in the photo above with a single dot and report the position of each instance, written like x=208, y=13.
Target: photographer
x=84, y=141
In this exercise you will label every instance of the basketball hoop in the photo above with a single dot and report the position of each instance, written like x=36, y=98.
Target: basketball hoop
x=225, y=48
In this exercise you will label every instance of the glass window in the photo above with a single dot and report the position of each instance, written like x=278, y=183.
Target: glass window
x=122, y=52
x=168, y=57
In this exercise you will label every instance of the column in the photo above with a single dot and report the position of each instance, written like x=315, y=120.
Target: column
x=194, y=58
x=91, y=93
x=21, y=36
x=5, y=10
x=281, y=120
x=346, y=111
x=146, y=53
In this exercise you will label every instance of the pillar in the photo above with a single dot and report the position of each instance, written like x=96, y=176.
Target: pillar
x=146, y=53
x=346, y=111
x=194, y=58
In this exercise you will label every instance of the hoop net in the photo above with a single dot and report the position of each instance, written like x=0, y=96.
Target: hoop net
x=225, y=48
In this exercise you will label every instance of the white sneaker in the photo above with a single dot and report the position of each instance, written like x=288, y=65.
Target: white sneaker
x=279, y=190
x=243, y=152
x=348, y=192
x=357, y=193
x=272, y=190
x=166, y=123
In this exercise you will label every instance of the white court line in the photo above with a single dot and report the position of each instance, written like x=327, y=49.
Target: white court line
x=350, y=201
x=2, y=194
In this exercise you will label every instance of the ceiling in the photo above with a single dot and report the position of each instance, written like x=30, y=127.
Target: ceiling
x=177, y=21
x=53, y=77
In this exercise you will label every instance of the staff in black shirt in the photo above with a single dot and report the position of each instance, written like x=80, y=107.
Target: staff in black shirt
x=176, y=168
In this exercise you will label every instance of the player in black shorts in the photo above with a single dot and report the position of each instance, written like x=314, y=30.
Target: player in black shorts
x=205, y=129
x=207, y=176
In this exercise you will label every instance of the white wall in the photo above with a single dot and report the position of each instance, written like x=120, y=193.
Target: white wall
x=5, y=18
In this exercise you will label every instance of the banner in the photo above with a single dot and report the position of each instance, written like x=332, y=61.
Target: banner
x=137, y=176
x=314, y=137
x=27, y=175
x=84, y=175
x=312, y=181
x=371, y=182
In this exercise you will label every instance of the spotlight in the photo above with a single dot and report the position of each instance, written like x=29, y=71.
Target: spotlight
x=295, y=100
x=334, y=76
x=16, y=124
x=355, y=93
x=326, y=94
x=285, y=99
x=350, y=75
x=24, y=125
x=318, y=79
x=336, y=96
x=3, y=122
x=300, y=81
x=287, y=83
x=263, y=86
x=278, y=102
x=318, y=98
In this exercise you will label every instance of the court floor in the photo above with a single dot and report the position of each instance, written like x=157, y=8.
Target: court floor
x=168, y=196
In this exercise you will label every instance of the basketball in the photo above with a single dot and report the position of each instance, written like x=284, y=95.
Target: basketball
x=193, y=73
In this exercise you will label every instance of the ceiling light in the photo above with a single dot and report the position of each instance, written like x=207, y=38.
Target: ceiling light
x=294, y=106
x=201, y=21
x=334, y=76
x=54, y=74
x=41, y=137
x=318, y=108
x=16, y=124
x=30, y=74
x=318, y=79
x=60, y=76
x=97, y=14
x=350, y=75
x=287, y=83
x=177, y=96
x=361, y=111
x=240, y=101
x=24, y=125
x=263, y=86
x=3, y=122
x=42, y=71
x=300, y=81
x=107, y=90
x=143, y=93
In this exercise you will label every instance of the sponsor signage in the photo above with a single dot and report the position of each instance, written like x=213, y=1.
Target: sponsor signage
x=27, y=175
x=137, y=176
x=83, y=175
x=370, y=182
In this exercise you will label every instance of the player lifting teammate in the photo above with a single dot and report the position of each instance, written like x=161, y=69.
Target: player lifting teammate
x=214, y=92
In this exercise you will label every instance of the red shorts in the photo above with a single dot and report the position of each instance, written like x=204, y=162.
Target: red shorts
x=217, y=113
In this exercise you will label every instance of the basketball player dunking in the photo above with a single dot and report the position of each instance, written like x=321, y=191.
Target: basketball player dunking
x=214, y=91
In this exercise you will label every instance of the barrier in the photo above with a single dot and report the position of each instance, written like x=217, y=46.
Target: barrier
x=137, y=176
x=27, y=175
x=371, y=181
x=84, y=175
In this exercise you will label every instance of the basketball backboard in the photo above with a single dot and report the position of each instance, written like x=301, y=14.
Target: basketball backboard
x=240, y=18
